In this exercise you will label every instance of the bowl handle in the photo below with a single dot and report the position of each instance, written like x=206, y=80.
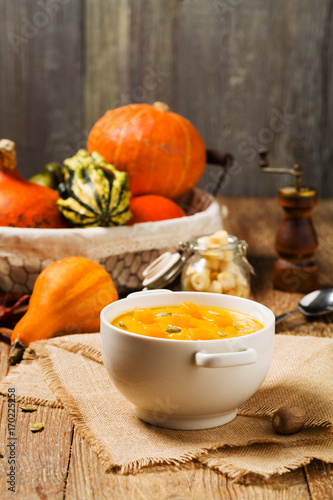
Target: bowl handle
x=245, y=356
x=148, y=292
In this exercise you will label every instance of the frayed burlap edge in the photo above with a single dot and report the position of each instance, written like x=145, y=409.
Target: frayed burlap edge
x=34, y=401
x=135, y=466
x=268, y=411
x=38, y=349
x=29, y=356
x=223, y=466
x=89, y=352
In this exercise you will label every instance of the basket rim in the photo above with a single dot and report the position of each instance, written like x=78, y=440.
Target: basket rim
x=100, y=242
x=4, y=230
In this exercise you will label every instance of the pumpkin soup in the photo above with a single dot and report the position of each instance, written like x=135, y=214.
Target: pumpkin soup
x=187, y=322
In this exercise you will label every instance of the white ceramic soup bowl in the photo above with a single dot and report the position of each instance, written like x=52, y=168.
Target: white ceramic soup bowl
x=186, y=384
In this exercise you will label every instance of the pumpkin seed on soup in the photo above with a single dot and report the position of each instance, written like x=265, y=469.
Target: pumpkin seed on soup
x=122, y=325
x=222, y=334
x=173, y=329
x=166, y=313
x=37, y=427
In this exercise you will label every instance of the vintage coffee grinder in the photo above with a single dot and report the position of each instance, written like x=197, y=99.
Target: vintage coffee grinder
x=296, y=269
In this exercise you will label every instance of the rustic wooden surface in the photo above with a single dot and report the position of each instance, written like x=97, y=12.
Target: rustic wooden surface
x=59, y=463
x=231, y=67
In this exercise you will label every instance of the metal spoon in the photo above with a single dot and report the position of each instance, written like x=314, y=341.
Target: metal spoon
x=313, y=304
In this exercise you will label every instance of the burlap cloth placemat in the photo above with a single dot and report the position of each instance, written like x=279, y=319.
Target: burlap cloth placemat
x=68, y=371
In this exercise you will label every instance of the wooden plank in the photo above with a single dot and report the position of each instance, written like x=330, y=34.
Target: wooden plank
x=326, y=95
x=245, y=80
x=41, y=80
x=41, y=459
x=323, y=219
x=319, y=476
x=130, y=54
x=4, y=352
x=287, y=487
x=86, y=479
x=256, y=220
x=153, y=50
x=106, y=58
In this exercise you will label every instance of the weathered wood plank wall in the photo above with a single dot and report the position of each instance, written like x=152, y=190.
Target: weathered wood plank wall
x=246, y=73
x=41, y=78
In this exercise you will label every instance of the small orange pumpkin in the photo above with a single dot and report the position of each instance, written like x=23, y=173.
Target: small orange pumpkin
x=161, y=151
x=152, y=207
x=67, y=297
x=24, y=203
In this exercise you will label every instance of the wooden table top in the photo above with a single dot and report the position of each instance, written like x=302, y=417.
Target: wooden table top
x=63, y=465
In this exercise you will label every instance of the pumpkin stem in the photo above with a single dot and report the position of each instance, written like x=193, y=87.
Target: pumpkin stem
x=16, y=352
x=7, y=155
x=161, y=106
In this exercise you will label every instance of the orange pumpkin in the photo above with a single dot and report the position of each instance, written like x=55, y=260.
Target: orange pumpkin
x=67, y=297
x=24, y=203
x=152, y=207
x=161, y=151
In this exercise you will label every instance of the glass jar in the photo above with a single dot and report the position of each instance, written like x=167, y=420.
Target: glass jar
x=218, y=267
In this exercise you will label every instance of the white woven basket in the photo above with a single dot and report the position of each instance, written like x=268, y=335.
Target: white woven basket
x=123, y=251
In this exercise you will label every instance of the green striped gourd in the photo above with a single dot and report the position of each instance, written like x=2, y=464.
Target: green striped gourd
x=93, y=193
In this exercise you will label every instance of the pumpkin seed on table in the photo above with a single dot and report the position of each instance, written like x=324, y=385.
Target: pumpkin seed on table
x=28, y=408
x=37, y=427
x=173, y=329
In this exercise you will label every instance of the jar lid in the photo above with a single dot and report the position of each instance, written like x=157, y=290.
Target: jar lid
x=166, y=268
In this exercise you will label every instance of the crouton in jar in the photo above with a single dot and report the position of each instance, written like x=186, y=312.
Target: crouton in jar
x=218, y=265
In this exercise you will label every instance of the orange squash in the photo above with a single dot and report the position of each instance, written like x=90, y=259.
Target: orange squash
x=24, y=203
x=161, y=151
x=68, y=297
x=152, y=207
